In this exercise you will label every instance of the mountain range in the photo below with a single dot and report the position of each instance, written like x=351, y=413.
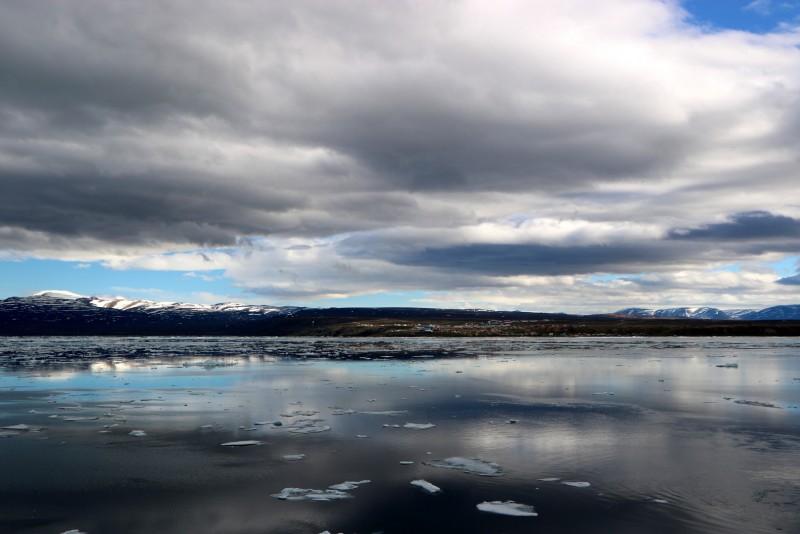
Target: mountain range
x=58, y=312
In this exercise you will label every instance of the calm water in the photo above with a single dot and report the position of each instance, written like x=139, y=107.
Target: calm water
x=666, y=439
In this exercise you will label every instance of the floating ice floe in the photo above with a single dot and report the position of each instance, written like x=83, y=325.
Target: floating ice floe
x=294, y=457
x=309, y=429
x=661, y=501
x=348, y=485
x=406, y=462
x=550, y=479
x=507, y=508
x=427, y=486
x=729, y=365
x=755, y=403
x=9, y=434
x=244, y=443
x=300, y=413
x=300, y=494
x=473, y=466
x=419, y=426
x=576, y=484
x=137, y=433
x=390, y=413
x=20, y=427
x=362, y=436
x=603, y=393
x=339, y=411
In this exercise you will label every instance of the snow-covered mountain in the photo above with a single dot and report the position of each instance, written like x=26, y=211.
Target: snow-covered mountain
x=64, y=312
x=774, y=313
x=123, y=303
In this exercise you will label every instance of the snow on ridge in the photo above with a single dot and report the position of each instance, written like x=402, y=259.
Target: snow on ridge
x=58, y=294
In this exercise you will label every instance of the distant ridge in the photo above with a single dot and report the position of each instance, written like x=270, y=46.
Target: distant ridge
x=790, y=312
x=64, y=313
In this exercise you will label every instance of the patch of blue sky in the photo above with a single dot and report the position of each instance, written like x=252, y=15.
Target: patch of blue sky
x=603, y=278
x=786, y=267
x=755, y=16
x=21, y=278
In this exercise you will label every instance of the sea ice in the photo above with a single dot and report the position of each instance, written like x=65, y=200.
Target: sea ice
x=137, y=433
x=474, y=466
x=390, y=413
x=300, y=494
x=244, y=443
x=577, y=484
x=755, y=403
x=20, y=427
x=427, y=486
x=348, y=485
x=300, y=413
x=507, y=508
x=406, y=462
x=309, y=429
x=419, y=426
x=294, y=457
x=550, y=479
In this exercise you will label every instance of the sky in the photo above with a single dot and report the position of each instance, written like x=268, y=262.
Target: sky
x=574, y=156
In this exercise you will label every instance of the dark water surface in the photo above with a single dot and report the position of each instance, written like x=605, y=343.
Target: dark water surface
x=667, y=440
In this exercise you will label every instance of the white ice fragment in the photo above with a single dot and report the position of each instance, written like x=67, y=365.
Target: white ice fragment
x=294, y=457
x=309, y=429
x=661, y=501
x=343, y=412
x=427, y=486
x=207, y=426
x=406, y=462
x=244, y=443
x=419, y=426
x=361, y=436
x=20, y=427
x=507, y=508
x=9, y=434
x=550, y=479
x=390, y=413
x=474, y=466
x=348, y=485
x=137, y=433
x=577, y=484
x=300, y=413
x=300, y=494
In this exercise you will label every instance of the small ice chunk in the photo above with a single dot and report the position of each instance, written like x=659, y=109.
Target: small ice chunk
x=390, y=413
x=300, y=494
x=309, y=429
x=137, y=433
x=300, y=413
x=8, y=434
x=339, y=411
x=406, y=462
x=550, y=479
x=603, y=393
x=661, y=501
x=294, y=457
x=20, y=427
x=348, y=485
x=362, y=436
x=427, y=486
x=244, y=443
x=474, y=466
x=507, y=508
x=419, y=426
x=576, y=484
x=207, y=426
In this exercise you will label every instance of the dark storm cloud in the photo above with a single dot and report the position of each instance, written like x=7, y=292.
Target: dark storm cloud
x=543, y=260
x=744, y=226
x=790, y=280
x=408, y=99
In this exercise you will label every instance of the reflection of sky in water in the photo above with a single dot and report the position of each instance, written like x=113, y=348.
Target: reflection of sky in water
x=636, y=418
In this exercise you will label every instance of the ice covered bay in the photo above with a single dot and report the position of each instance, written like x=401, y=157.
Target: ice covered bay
x=99, y=435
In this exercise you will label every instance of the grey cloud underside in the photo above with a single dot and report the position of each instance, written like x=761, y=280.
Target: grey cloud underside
x=745, y=226
x=81, y=82
x=790, y=280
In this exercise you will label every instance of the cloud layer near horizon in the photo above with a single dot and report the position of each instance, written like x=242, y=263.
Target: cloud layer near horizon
x=502, y=153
